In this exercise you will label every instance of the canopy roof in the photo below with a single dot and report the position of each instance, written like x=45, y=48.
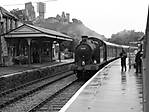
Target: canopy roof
x=30, y=31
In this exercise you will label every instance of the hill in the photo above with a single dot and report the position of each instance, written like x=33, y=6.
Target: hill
x=73, y=29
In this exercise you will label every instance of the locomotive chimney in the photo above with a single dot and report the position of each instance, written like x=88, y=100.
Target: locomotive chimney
x=84, y=38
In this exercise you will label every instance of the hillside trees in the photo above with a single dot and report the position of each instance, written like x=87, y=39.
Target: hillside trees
x=19, y=14
x=126, y=36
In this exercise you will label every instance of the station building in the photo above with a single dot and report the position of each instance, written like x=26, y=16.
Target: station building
x=26, y=44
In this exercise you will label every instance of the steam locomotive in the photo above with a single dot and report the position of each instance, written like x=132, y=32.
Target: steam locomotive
x=92, y=54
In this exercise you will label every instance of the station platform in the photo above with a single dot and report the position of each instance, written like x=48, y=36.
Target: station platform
x=109, y=90
x=19, y=68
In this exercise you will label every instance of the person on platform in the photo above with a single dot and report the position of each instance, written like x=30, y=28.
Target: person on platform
x=138, y=62
x=123, y=57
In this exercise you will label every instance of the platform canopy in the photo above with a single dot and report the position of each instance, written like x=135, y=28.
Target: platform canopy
x=30, y=31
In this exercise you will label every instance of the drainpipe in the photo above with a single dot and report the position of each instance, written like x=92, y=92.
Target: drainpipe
x=1, y=32
x=59, y=52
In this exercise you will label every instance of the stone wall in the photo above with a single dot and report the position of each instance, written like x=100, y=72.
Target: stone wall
x=18, y=79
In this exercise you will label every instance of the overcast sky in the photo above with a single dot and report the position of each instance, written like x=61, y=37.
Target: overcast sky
x=106, y=17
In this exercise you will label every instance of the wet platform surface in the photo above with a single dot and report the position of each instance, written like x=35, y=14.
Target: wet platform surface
x=110, y=90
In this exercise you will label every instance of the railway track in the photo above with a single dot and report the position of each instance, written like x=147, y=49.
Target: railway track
x=10, y=97
x=55, y=102
x=49, y=95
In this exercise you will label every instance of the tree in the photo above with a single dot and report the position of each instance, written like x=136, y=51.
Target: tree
x=76, y=21
x=125, y=36
x=20, y=14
